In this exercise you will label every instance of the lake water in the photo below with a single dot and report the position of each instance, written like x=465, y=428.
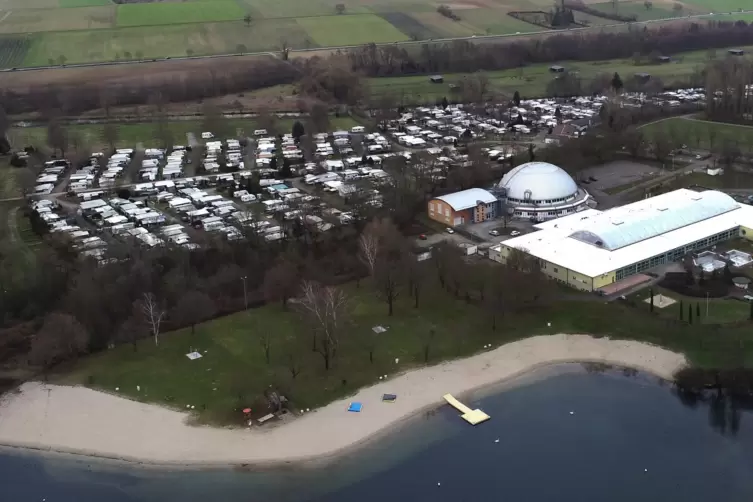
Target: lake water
x=628, y=438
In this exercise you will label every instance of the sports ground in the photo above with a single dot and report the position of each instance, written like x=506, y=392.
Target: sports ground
x=53, y=32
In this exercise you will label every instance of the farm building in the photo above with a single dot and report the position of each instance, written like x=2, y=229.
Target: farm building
x=608, y=251
x=557, y=69
x=540, y=191
x=736, y=52
x=436, y=79
x=467, y=206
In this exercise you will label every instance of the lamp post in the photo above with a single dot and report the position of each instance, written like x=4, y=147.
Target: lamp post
x=707, y=305
x=245, y=293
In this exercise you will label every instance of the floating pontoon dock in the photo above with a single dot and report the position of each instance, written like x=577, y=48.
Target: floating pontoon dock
x=473, y=417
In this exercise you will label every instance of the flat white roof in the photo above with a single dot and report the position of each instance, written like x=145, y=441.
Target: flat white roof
x=554, y=243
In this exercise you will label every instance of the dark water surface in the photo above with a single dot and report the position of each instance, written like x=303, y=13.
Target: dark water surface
x=629, y=439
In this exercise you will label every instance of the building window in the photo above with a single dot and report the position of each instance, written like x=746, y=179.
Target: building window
x=556, y=270
x=447, y=212
x=431, y=207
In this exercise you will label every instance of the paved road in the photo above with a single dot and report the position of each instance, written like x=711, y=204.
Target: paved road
x=714, y=16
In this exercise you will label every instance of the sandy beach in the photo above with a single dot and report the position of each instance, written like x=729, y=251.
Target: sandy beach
x=83, y=421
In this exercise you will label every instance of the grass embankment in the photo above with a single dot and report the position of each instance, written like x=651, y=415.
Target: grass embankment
x=145, y=133
x=233, y=373
x=531, y=81
x=704, y=134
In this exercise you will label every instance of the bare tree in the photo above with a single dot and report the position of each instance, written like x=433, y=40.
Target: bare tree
x=281, y=282
x=319, y=115
x=415, y=275
x=267, y=120
x=265, y=339
x=61, y=337
x=213, y=120
x=389, y=277
x=368, y=248
x=110, y=134
x=381, y=250
x=131, y=330
x=57, y=135
x=370, y=341
x=428, y=338
x=193, y=308
x=326, y=308
x=294, y=365
x=4, y=123
x=284, y=49
x=153, y=314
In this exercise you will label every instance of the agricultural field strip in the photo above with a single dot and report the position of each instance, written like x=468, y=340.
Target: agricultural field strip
x=171, y=41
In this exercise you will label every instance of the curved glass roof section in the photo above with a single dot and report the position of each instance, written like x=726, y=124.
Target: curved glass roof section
x=623, y=230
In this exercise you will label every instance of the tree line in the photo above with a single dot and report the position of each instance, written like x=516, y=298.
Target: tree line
x=465, y=56
x=332, y=78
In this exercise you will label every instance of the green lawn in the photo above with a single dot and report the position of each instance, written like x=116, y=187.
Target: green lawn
x=720, y=5
x=701, y=133
x=83, y=3
x=720, y=310
x=233, y=372
x=146, y=14
x=233, y=354
x=748, y=17
x=350, y=30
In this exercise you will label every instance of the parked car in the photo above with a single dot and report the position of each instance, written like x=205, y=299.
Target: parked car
x=493, y=233
x=514, y=233
x=422, y=237
x=592, y=179
x=449, y=230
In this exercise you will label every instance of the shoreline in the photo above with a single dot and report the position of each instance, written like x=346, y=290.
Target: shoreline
x=49, y=419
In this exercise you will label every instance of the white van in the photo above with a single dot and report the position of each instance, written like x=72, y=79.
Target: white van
x=260, y=132
x=357, y=129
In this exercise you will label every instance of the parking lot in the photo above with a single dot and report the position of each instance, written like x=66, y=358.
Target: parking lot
x=619, y=173
x=483, y=230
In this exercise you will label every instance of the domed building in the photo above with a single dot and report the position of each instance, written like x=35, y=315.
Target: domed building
x=540, y=191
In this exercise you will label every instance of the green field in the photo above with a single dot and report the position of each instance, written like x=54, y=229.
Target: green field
x=702, y=134
x=232, y=348
x=83, y=3
x=167, y=41
x=719, y=311
x=44, y=20
x=354, y=29
x=638, y=9
x=292, y=8
x=129, y=135
x=720, y=5
x=496, y=22
x=532, y=80
x=747, y=17
x=80, y=31
x=147, y=14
